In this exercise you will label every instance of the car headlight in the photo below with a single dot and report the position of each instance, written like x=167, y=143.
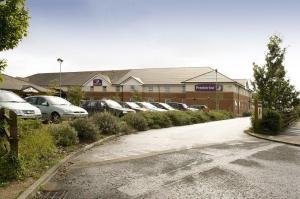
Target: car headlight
x=18, y=112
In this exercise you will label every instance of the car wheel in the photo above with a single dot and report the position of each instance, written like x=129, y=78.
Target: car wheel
x=55, y=118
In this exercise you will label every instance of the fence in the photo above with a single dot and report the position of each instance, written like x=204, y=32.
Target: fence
x=9, y=118
x=289, y=118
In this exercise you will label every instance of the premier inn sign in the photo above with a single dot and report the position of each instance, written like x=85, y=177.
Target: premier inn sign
x=208, y=87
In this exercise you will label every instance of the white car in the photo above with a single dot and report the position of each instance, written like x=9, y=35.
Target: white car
x=12, y=101
x=150, y=106
x=55, y=108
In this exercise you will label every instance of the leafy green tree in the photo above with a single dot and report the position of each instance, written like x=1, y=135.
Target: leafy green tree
x=14, y=23
x=270, y=83
x=75, y=94
x=136, y=97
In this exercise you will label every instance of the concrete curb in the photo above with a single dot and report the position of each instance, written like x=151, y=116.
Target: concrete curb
x=270, y=138
x=31, y=191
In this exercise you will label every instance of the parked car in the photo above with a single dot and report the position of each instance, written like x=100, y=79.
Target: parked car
x=115, y=108
x=203, y=108
x=92, y=106
x=55, y=108
x=12, y=101
x=150, y=106
x=163, y=106
x=181, y=106
x=134, y=106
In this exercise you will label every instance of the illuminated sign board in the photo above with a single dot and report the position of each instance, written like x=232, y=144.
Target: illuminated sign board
x=97, y=82
x=208, y=87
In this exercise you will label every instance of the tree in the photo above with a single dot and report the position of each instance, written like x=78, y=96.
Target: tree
x=270, y=84
x=75, y=94
x=14, y=23
x=53, y=86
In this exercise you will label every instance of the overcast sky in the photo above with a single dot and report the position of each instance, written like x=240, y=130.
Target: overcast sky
x=117, y=34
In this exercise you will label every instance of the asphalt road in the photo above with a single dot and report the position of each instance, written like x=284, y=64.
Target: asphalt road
x=212, y=160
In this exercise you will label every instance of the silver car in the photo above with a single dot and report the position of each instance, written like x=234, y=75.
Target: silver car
x=150, y=107
x=11, y=101
x=55, y=108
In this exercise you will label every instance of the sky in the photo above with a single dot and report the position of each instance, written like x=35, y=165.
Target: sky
x=228, y=35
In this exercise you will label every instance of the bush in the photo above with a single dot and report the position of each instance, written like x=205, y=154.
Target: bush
x=87, y=131
x=156, y=120
x=247, y=114
x=219, y=115
x=125, y=128
x=37, y=148
x=26, y=126
x=198, y=117
x=106, y=123
x=136, y=121
x=179, y=118
x=298, y=111
x=10, y=167
x=271, y=123
x=64, y=134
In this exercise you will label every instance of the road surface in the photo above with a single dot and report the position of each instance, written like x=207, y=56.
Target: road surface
x=211, y=160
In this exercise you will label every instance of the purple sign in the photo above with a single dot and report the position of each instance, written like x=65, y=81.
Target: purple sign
x=97, y=82
x=208, y=87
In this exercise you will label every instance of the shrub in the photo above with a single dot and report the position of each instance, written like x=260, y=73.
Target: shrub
x=218, y=115
x=26, y=126
x=37, y=148
x=298, y=111
x=87, y=131
x=136, y=121
x=247, y=114
x=198, y=117
x=125, y=128
x=106, y=123
x=156, y=120
x=179, y=118
x=64, y=134
x=10, y=167
x=271, y=123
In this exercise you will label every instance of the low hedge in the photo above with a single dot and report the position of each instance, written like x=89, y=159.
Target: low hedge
x=156, y=120
x=106, y=123
x=86, y=129
x=271, y=123
x=136, y=121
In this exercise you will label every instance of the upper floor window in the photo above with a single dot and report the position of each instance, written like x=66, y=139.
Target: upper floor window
x=167, y=88
x=104, y=88
x=92, y=88
x=118, y=88
x=132, y=88
x=150, y=88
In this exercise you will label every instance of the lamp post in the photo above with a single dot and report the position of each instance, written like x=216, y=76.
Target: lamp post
x=60, y=61
x=217, y=108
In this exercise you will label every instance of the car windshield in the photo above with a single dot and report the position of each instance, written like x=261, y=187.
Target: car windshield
x=133, y=105
x=148, y=105
x=10, y=97
x=167, y=106
x=113, y=104
x=57, y=101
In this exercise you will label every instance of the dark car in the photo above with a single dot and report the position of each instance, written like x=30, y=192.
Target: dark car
x=203, y=108
x=133, y=106
x=181, y=106
x=163, y=106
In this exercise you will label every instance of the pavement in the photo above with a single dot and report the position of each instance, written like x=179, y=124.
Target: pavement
x=289, y=136
x=211, y=160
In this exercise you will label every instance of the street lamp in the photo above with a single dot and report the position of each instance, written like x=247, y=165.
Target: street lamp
x=60, y=61
x=217, y=107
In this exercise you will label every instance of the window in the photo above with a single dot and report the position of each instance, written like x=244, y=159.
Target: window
x=167, y=88
x=31, y=100
x=132, y=88
x=118, y=88
x=104, y=88
x=150, y=88
x=41, y=101
x=92, y=88
x=183, y=88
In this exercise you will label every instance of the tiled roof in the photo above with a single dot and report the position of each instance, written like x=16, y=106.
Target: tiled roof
x=11, y=83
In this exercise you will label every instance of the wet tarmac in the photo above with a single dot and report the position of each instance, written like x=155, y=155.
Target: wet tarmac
x=213, y=160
